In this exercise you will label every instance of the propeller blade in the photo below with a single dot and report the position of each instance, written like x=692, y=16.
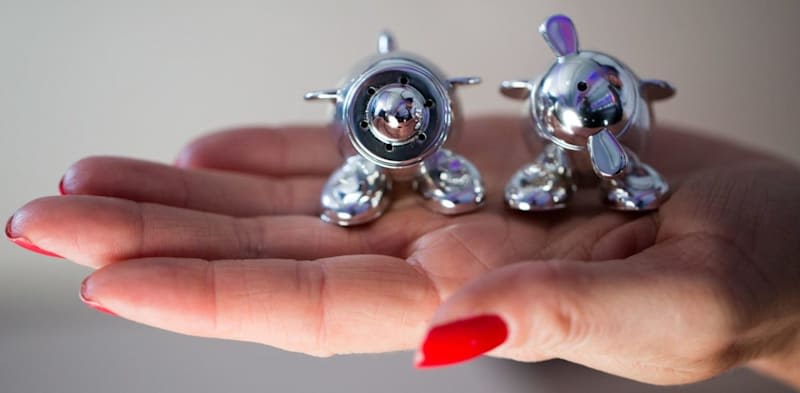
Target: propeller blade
x=608, y=156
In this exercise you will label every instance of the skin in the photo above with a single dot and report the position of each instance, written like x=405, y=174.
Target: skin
x=226, y=243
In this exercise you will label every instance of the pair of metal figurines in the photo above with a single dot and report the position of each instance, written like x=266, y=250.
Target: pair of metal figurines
x=392, y=117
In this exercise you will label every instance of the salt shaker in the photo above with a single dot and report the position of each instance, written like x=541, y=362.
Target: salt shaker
x=392, y=117
x=591, y=114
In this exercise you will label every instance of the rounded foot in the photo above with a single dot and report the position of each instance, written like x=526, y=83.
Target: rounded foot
x=640, y=189
x=450, y=184
x=356, y=193
x=546, y=184
x=535, y=188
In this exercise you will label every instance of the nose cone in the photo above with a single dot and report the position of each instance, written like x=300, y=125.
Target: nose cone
x=396, y=113
x=597, y=106
x=582, y=94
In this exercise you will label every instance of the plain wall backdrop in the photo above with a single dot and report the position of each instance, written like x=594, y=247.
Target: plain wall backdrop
x=142, y=78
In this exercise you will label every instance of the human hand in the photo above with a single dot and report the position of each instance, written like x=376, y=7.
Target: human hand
x=228, y=245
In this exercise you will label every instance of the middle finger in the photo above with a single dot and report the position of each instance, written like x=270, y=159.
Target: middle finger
x=212, y=191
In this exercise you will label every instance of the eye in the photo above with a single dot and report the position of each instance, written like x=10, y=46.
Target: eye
x=582, y=86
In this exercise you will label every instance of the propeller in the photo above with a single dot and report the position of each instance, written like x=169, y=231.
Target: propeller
x=607, y=154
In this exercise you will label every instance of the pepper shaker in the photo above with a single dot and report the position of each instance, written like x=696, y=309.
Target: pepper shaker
x=592, y=115
x=392, y=117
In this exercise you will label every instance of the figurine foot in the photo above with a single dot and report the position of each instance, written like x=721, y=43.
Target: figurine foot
x=450, y=184
x=546, y=184
x=640, y=189
x=355, y=194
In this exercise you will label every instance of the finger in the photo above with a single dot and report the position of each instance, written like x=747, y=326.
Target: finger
x=207, y=190
x=659, y=317
x=95, y=231
x=698, y=150
x=265, y=151
x=364, y=303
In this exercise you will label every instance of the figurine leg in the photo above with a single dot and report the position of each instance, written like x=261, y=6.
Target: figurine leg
x=450, y=184
x=545, y=184
x=641, y=188
x=356, y=193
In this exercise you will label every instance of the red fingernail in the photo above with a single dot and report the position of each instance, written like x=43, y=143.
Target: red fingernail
x=25, y=243
x=91, y=303
x=61, y=189
x=462, y=340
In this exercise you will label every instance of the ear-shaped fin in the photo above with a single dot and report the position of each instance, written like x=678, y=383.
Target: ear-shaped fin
x=655, y=90
x=608, y=156
x=560, y=35
x=516, y=89
x=386, y=42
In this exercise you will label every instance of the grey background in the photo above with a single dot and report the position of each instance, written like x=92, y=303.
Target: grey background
x=142, y=78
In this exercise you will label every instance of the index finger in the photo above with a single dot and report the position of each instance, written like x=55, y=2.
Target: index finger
x=285, y=151
x=347, y=304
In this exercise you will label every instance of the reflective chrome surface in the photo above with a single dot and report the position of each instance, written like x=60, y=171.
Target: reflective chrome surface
x=640, y=188
x=607, y=155
x=583, y=94
x=545, y=184
x=450, y=184
x=589, y=103
x=386, y=43
x=356, y=193
x=394, y=112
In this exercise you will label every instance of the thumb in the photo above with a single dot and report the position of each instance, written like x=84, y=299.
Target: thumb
x=655, y=317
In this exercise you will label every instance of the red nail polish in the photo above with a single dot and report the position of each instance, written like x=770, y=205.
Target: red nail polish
x=462, y=340
x=91, y=303
x=61, y=189
x=25, y=243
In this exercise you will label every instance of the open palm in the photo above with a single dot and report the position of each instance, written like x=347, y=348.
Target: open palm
x=227, y=243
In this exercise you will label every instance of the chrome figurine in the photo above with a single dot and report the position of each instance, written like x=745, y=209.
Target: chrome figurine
x=392, y=117
x=586, y=102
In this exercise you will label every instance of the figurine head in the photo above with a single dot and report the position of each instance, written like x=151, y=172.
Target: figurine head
x=583, y=92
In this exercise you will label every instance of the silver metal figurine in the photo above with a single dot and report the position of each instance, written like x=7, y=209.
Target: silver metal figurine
x=392, y=117
x=592, y=114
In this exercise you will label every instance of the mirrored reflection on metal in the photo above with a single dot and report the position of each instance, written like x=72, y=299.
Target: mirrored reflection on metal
x=464, y=80
x=642, y=188
x=545, y=184
x=385, y=43
x=450, y=184
x=586, y=104
x=393, y=113
x=396, y=113
x=516, y=89
x=607, y=155
x=356, y=193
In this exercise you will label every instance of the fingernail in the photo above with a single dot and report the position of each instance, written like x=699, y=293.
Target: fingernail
x=461, y=340
x=86, y=299
x=61, y=189
x=25, y=243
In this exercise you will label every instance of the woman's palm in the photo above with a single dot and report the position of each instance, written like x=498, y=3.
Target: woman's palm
x=230, y=244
